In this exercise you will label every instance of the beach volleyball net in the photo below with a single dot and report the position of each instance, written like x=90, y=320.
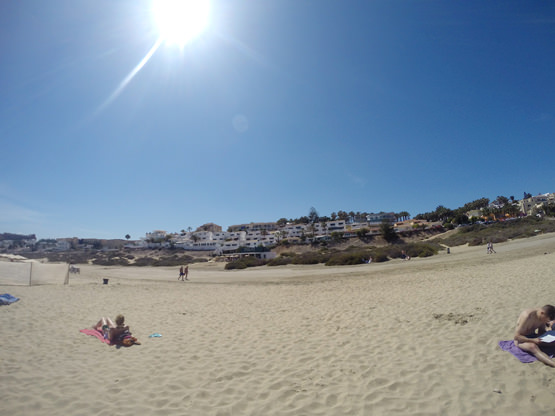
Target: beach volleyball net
x=33, y=273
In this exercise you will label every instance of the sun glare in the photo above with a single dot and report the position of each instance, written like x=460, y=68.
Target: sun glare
x=180, y=21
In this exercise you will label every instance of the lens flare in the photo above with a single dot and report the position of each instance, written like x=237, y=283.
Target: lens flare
x=180, y=21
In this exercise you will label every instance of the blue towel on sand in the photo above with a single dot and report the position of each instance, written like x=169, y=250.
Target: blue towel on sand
x=6, y=299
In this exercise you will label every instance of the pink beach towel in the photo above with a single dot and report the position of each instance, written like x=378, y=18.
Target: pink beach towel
x=95, y=333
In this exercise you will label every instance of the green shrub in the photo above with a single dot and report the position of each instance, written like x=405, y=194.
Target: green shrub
x=471, y=228
x=479, y=234
x=476, y=241
x=448, y=226
x=421, y=249
x=280, y=261
x=110, y=261
x=244, y=262
x=393, y=251
x=311, y=258
x=379, y=256
x=144, y=261
x=349, y=258
x=336, y=236
x=236, y=264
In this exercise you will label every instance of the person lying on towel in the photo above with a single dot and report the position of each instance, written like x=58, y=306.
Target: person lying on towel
x=530, y=325
x=117, y=333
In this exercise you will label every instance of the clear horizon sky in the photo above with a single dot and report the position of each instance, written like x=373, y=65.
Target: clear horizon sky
x=275, y=107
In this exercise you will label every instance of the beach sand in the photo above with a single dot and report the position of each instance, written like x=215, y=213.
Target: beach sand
x=412, y=337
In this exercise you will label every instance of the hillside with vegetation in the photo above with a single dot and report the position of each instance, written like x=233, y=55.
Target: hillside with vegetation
x=499, y=232
x=475, y=223
x=359, y=251
x=496, y=222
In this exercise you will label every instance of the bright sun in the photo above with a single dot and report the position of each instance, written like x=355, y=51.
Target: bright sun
x=180, y=21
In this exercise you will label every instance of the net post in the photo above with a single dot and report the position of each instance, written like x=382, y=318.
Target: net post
x=30, y=272
x=66, y=281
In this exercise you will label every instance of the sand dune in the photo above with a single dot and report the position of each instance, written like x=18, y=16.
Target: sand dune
x=396, y=338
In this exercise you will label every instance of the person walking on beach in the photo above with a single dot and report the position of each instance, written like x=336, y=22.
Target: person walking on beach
x=530, y=325
x=181, y=273
x=186, y=272
x=490, y=249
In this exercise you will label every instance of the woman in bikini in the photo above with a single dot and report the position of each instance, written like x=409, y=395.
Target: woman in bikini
x=118, y=333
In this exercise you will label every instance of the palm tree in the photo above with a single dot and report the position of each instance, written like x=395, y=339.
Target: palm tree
x=313, y=215
x=312, y=229
x=443, y=213
x=404, y=215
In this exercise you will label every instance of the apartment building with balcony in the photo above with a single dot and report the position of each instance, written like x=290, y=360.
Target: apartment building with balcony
x=254, y=226
x=382, y=216
x=156, y=235
x=530, y=205
x=293, y=231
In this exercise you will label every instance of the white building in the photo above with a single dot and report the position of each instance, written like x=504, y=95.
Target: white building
x=156, y=235
x=292, y=231
x=338, y=226
x=62, y=244
x=382, y=216
x=255, y=226
x=529, y=205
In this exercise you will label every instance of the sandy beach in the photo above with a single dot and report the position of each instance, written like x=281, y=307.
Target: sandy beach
x=412, y=337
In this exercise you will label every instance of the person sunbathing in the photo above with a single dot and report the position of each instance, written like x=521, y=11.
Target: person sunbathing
x=530, y=325
x=117, y=333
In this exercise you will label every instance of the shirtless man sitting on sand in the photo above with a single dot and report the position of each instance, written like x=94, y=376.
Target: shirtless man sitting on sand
x=530, y=325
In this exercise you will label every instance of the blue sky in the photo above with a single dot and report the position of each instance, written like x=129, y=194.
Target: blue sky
x=277, y=107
